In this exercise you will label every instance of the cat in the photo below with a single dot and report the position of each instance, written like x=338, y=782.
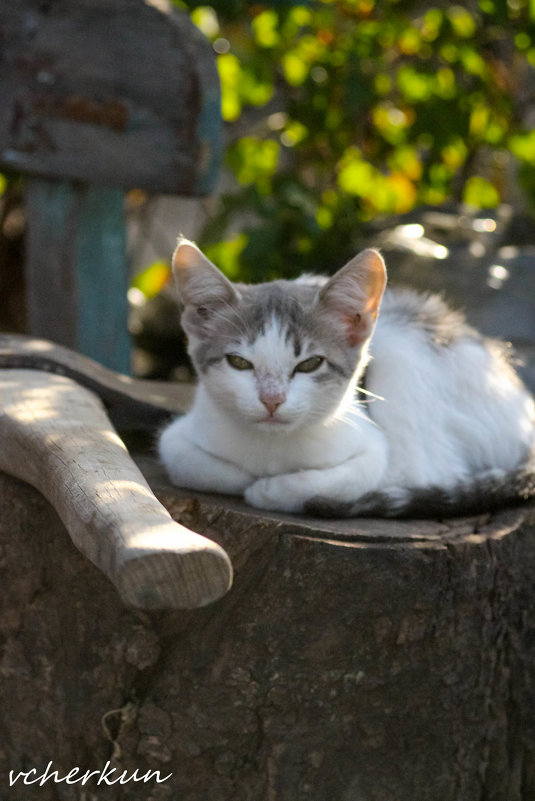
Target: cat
x=443, y=425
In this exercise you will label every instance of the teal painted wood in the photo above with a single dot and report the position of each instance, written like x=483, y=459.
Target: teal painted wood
x=49, y=274
x=102, y=278
x=76, y=269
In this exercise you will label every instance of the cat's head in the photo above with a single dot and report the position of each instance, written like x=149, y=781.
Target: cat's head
x=280, y=355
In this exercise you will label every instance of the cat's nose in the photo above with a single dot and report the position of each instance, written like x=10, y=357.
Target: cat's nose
x=272, y=402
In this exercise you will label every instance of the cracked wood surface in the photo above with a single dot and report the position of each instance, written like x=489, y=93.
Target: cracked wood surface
x=84, y=96
x=354, y=660
x=57, y=436
x=362, y=668
x=132, y=404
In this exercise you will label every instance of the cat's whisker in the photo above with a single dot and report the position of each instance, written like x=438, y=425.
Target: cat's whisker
x=371, y=394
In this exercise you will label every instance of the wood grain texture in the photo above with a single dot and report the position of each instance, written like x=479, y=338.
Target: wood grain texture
x=116, y=92
x=354, y=660
x=380, y=666
x=132, y=404
x=76, y=268
x=57, y=437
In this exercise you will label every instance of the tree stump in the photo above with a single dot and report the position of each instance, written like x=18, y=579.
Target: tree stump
x=361, y=660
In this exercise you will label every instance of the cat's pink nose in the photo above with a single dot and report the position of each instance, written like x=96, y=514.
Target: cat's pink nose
x=272, y=402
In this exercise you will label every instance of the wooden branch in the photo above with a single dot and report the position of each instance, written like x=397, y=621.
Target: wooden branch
x=56, y=436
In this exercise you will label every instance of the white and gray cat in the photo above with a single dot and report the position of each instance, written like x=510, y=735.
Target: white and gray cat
x=443, y=426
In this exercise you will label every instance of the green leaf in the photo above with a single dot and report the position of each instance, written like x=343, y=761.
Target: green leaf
x=461, y=21
x=265, y=29
x=152, y=280
x=253, y=159
x=523, y=146
x=226, y=255
x=480, y=193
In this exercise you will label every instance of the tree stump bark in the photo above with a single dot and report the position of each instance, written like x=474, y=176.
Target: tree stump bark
x=351, y=661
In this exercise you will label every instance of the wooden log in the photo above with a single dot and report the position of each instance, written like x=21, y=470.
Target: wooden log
x=56, y=436
x=358, y=661
x=132, y=404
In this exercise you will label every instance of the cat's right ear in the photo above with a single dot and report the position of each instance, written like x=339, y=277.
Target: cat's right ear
x=202, y=288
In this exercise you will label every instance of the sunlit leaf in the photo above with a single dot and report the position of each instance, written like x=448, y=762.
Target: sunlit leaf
x=294, y=68
x=265, y=28
x=449, y=52
x=152, y=280
x=401, y=194
x=324, y=217
x=407, y=161
x=229, y=74
x=523, y=146
x=479, y=119
x=410, y=41
x=301, y=15
x=472, y=61
x=432, y=24
x=205, y=18
x=383, y=83
x=446, y=85
x=253, y=159
x=415, y=86
x=461, y=21
x=391, y=122
x=355, y=175
x=523, y=40
x=454, y=154
x=227, y=255
x=480, y=193
x=253, y=89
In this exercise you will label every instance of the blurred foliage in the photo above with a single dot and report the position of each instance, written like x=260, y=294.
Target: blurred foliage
x=340, y=111
x=152, y=280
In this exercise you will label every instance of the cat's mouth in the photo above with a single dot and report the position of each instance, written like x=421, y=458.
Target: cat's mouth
x=272, y=422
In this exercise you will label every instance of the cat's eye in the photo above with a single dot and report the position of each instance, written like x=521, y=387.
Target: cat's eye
x=309, y=365
x=238, y=362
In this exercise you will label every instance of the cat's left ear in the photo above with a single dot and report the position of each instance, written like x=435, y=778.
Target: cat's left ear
x=353, y=295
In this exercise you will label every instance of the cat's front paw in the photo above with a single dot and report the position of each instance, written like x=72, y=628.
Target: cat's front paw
x=276, y=494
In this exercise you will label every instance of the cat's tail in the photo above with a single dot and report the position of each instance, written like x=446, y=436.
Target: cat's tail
x=485, y=492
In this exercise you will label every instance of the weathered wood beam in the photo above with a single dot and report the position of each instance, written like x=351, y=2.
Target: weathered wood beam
x=77, y=270
x=122, y=93
x=57, y=437
x=99, y=96
x=132, y=404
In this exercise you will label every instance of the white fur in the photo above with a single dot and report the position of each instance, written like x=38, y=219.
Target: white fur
x=227, y=444
x=442, y=415
x=459, y=399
